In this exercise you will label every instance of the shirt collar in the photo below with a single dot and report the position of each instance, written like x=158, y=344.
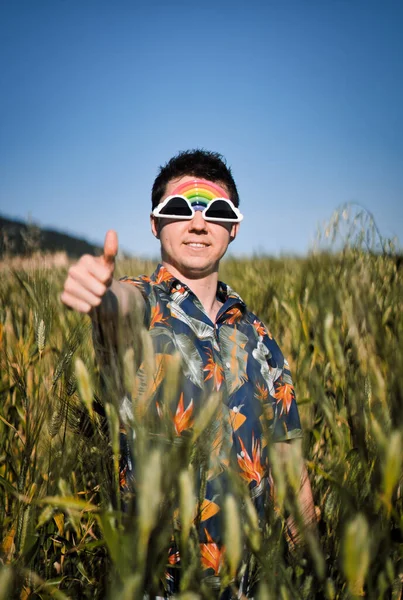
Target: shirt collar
x=170, y=284
x=163, y=278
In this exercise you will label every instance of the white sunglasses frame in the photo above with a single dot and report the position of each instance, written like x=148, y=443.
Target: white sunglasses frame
x=157, y=209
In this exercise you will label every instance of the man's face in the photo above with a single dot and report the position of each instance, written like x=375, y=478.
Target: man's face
x=195, y=247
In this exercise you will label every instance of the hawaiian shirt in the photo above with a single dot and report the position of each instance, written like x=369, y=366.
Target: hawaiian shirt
x=238, y=357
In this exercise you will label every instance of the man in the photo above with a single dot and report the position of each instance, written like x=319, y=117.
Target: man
x=222, y=345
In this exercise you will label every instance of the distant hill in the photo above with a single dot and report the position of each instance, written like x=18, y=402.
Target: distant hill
x=22, y=239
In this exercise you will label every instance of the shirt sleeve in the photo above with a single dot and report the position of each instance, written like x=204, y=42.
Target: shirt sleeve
x=286, y=422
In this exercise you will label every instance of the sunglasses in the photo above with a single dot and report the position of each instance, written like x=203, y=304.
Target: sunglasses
x=179, y=207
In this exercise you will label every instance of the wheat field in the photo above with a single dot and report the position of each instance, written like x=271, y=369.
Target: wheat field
x=337, y=316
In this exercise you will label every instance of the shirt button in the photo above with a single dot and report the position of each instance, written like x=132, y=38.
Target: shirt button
x=228, y=365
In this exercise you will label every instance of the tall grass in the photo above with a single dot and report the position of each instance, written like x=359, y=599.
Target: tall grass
x=338, y=319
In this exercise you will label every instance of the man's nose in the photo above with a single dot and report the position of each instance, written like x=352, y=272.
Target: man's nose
x=198, y=223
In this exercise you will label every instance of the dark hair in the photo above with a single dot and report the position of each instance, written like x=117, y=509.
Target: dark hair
x=200, y=163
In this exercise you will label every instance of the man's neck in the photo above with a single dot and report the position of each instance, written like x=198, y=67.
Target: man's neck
x=204, y=287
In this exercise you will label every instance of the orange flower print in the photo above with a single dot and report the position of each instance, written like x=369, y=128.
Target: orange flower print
x=262, y=393
x=208, y=509
x=284, y=394
x=235, y=313
x=261, y=329
x=173, y=557
x=122, y=477
x=183, y=418
x=156, y=316
x=236, y=418
x=163, y=275
x=252, y=469
x=214, y=371
x=211, y=554
x=138, y=284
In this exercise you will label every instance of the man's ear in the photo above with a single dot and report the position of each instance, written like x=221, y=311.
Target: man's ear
x=155, y=226
x=233, y=232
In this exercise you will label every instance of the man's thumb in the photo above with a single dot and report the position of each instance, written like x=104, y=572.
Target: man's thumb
x=110, y=246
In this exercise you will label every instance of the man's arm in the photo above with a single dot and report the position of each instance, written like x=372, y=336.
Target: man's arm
x=116, y=310
x=291, y=460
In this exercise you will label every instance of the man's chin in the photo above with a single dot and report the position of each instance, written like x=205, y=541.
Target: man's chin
x=196, y=268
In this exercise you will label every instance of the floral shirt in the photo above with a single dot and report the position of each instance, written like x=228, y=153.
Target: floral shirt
x=238, y=357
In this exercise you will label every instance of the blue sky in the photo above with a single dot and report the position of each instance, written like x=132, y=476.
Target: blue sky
x=304, y=99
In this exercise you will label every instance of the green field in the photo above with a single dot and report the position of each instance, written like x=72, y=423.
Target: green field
x=338, y=319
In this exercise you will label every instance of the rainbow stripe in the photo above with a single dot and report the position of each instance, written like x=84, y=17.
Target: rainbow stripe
x=200, y=191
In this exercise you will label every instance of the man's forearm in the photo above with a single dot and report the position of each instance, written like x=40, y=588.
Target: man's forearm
x=120, y=300
x=305, y=507
x=117, y=325
x=305, y=519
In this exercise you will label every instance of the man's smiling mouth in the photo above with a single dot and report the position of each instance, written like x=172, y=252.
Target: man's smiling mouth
x=196, y=244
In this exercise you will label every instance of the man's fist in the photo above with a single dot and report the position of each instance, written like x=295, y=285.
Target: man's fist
x=88, y=279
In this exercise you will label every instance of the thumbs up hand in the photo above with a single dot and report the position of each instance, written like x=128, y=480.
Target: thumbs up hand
x=110, y=248
x=89, y=279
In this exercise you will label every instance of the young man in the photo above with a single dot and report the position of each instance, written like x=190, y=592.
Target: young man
x=222, y=345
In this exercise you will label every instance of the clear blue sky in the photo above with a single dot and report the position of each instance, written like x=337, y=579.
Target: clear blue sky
x=304, y=98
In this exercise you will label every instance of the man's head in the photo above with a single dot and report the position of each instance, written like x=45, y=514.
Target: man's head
x=193, y=248
x=200, y=164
